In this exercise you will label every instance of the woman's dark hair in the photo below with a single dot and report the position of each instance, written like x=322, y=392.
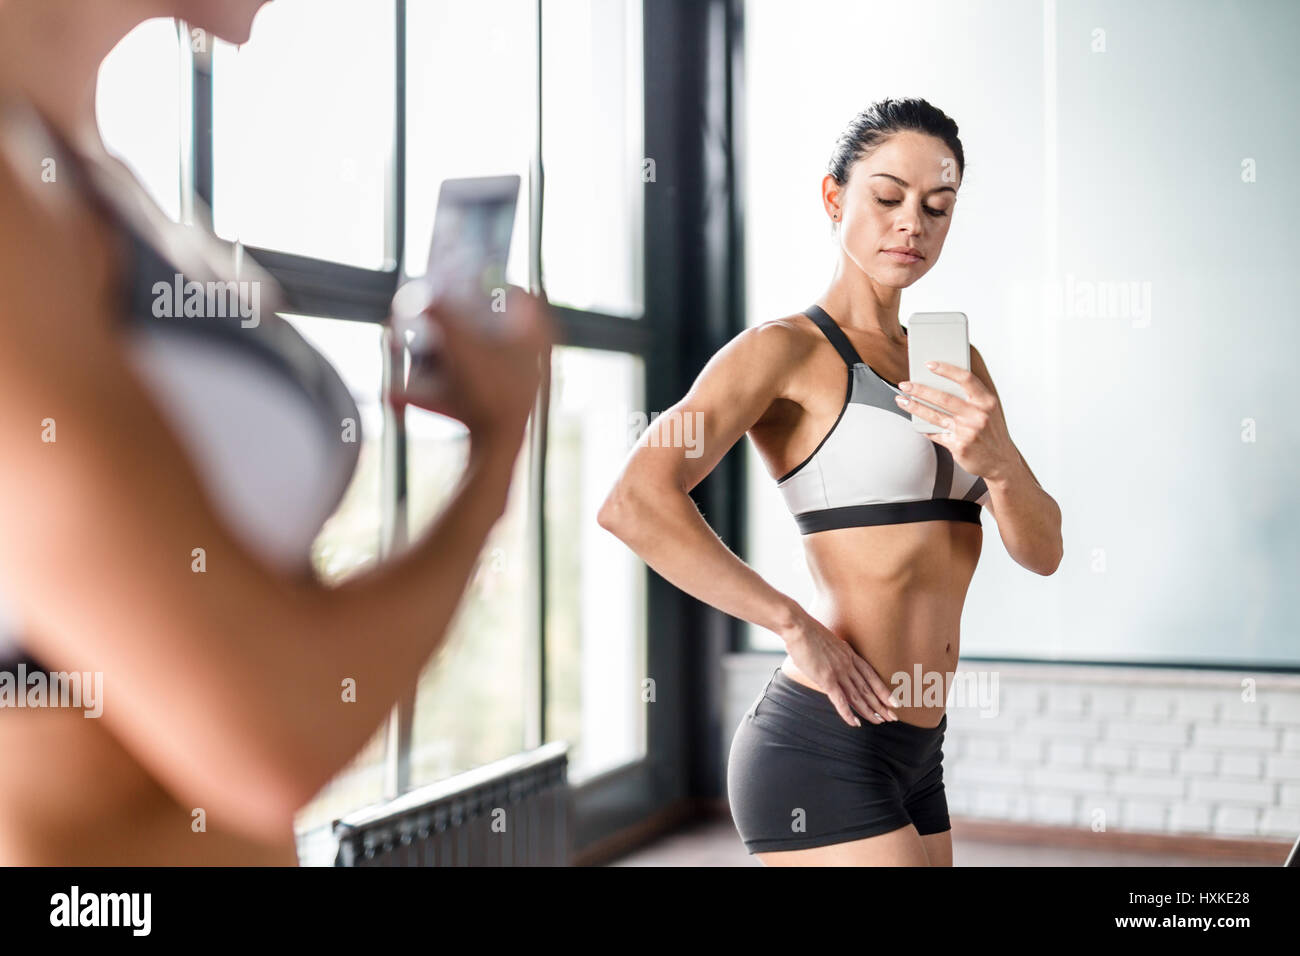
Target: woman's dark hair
x=881, y=120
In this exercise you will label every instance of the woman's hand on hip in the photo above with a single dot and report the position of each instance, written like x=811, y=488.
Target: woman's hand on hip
x=840, y=672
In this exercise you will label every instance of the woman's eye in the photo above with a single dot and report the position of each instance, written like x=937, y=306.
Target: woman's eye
x=937, y=213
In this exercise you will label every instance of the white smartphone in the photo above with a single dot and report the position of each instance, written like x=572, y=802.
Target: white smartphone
x=470, y=248
x=936, y=337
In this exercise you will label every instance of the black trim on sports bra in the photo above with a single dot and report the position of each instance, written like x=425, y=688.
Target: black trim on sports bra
x=841, y=341
x=848, y=391
x=835, y=334
x=889, y=512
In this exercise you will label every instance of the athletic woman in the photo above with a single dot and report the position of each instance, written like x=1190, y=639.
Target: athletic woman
x=826, y=768
x=164, y=477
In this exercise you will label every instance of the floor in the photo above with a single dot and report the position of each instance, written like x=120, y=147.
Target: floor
x=715, y=843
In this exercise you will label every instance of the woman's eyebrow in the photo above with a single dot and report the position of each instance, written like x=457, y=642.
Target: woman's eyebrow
x=937, y=189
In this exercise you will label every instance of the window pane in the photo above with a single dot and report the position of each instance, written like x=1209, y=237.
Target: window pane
x=138, y=105
x=470, y=700
x=471, y=98
x=593, y=145
x=349, y=541
x=595, y=622
x=303, y=131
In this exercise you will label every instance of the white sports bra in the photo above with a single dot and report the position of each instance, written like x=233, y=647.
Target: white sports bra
x=873, y=467
x=262, y=414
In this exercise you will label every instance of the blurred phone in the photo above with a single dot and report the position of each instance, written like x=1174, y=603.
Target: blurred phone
x=472, y=227
x=936, y=337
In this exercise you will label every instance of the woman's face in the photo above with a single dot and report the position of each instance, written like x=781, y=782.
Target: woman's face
x=230, y=20
x=900, y=195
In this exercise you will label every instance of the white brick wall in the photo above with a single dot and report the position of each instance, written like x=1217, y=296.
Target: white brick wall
x=1134, y=749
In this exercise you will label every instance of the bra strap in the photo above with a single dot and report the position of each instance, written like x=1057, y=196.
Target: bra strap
x=835, y=334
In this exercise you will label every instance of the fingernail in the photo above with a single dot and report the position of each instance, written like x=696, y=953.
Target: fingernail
x=929, y=365
x=905, y=386
x=901, y=400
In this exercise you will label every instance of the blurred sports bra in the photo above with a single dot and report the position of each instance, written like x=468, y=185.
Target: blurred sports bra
x=873, y=467
x=263, y=416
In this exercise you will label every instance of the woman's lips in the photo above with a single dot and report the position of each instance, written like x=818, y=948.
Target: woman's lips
x=902, y=256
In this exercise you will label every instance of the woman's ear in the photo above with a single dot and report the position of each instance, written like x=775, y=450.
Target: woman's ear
x=832, y=195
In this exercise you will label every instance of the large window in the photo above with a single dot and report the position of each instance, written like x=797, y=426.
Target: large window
x=489, y=52
x=1127, y=272
x=300, y=149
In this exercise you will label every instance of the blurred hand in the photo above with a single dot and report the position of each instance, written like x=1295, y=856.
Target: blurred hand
x=480, y=369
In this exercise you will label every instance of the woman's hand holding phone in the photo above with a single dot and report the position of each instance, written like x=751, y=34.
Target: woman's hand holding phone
x=975, y=429
x=482, y=375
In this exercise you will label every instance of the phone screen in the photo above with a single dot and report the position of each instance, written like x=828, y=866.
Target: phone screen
x=471, y=236
x=468, y=254
x=940, y=336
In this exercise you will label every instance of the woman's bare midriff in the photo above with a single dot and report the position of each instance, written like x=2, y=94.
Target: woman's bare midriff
x=70, y=795
x=895, y=593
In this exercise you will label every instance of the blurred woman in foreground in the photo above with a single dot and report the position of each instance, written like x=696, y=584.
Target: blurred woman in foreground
x=164, y=479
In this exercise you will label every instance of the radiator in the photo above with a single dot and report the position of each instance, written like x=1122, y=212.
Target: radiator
x=514, y=812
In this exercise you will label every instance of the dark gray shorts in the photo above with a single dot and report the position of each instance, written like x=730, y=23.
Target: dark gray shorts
x=798, y=776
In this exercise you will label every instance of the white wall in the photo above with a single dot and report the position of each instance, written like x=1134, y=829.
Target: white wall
x=1110, y=161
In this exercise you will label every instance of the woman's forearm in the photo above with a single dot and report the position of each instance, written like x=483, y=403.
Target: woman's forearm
x=378, y=629
x=1029, y=519
x=667, y=531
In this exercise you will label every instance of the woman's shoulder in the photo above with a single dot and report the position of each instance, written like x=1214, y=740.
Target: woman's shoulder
x=767, y=356
x=778, y=344
x=785, y=336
